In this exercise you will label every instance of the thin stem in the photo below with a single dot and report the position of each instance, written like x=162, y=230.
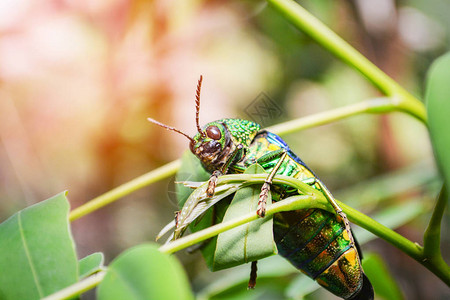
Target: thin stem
x=318, y=31
x=194, y=238
x=412, y=249
x=125, y=189
x=375, y=105
x=78, y=288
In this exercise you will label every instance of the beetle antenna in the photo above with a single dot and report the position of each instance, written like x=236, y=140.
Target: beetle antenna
x=197, y=106
x=170, y=128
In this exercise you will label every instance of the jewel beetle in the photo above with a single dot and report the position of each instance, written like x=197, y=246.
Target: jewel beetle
x=315, y=241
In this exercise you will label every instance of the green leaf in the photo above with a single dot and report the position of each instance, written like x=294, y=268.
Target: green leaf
x=91, y=264
x=143, y=272
x=248, y=242
x=438, y=107
x=382, y=281
x=37, y=253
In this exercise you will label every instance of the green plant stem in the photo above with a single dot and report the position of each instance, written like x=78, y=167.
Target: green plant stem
x=125, y=189
x=318, y=31
x=297, y=202
x=412, y=249
x=374, y=105
x=78, y=288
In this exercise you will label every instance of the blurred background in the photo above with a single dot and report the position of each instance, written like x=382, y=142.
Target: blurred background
x=79, y=78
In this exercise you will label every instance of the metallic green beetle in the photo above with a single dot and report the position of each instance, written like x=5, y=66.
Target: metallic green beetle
x=318, y=243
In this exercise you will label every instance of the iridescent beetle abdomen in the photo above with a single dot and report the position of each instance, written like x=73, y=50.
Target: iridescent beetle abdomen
x=317, y=244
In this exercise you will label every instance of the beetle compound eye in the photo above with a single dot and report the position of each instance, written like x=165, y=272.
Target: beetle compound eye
x=213, y=132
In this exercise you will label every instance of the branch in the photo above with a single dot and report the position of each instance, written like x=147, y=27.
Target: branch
x=78, y=288
x=324, y=36
x=312, y=198
x=125, y=189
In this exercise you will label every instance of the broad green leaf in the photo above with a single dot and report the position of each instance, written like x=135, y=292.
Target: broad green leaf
x=143, y=272
x=248, y=242
x=382, y=281
x=91, y=264
x=438, y=107
x=37, y=253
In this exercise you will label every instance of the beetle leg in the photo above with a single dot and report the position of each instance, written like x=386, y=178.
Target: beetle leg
x=253, y=274
x=217, y=173
x=261, y=210
x=338, y=210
